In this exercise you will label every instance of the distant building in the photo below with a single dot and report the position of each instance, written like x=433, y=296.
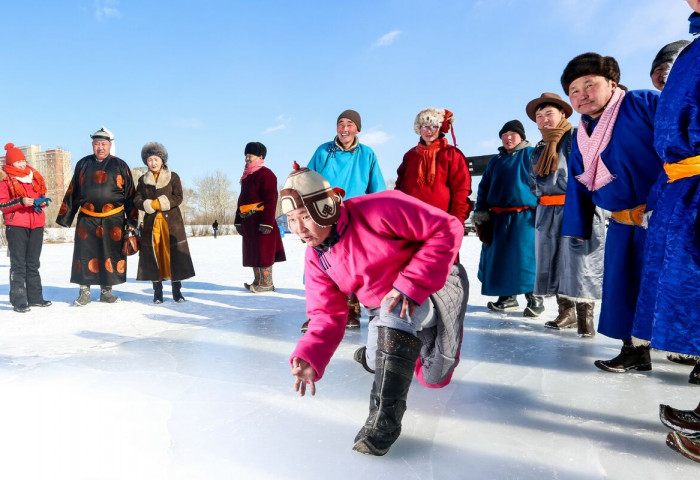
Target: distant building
x=54, y=165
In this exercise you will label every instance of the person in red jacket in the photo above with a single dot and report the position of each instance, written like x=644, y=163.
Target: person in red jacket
x=22, y=202
x=435, y=171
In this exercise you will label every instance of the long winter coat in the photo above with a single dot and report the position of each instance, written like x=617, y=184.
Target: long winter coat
x=386, y=240
x=667, y=310
x=260, y=250
x=631, y=158
x=168, y=190
x=452, y=186
x=99, y=187
x=507, y=266
x=355, y=170
x=565, y=266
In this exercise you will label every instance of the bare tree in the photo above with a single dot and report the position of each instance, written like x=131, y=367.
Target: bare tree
x=215, y=198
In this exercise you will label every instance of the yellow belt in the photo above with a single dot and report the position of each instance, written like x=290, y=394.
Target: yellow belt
x=631, y=216
x=683, y=169
x=258, y=207
x=114, y=211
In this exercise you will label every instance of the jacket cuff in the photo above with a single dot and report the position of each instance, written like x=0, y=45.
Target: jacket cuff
x=148, y=208
x=164, y=203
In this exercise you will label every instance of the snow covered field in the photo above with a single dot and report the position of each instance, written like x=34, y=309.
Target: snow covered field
x=202, y=390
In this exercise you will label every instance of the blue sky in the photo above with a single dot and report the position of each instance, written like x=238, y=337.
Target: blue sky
x=205, y=77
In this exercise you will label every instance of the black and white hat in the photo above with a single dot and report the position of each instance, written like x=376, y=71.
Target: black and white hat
x=306, y=188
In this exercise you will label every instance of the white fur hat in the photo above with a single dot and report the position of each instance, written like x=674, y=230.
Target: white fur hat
x=434, y=116
x=306, y=188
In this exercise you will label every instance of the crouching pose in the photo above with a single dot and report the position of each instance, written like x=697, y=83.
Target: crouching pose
x=397, y=254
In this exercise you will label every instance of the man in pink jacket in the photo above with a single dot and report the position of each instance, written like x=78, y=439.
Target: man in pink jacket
x=393, y=251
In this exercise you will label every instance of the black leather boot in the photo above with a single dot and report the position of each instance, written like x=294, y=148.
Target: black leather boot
x=584, y=314
x=630, y=358
x=157, y=292
x=397, y=352
x=535, y=305
x=177, y=294
x=567, y=314
x=503, y=304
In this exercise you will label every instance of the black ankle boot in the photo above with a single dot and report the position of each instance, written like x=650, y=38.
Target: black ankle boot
x=157, y=292
x=503, y=304
x=397, y=352
x=630, y=358
x=535, y=305
x=177, y=294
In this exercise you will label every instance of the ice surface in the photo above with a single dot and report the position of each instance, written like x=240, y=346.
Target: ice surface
x=202, y=390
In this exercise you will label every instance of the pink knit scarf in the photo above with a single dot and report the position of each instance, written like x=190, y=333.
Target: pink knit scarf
x=253, y=167
x=595, y=174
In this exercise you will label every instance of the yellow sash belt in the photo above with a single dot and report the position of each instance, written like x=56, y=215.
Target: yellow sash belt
x=114, y=211
x=631, y=216
x=258, y=207
x=683, y=169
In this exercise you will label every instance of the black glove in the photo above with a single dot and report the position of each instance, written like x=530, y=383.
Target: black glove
x=264, y=229
x=485, y=232
x=239, y=230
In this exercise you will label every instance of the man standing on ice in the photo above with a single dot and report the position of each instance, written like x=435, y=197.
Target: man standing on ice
x=397, y=254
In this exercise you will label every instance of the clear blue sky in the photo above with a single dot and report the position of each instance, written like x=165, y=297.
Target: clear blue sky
x=205, y=77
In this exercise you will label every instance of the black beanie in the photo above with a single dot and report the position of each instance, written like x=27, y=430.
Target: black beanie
x=255, y=148
x=668, y=54
x=590, y=64
x=513, y=126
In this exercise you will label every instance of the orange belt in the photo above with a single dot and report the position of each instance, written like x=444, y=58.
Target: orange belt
x=683, y=169
x=252, y=207
x=114, y=211
x=550, y=200
x=631, y=216
x=498, y=210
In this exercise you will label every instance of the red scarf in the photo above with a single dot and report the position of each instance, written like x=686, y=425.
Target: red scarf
x=252, y=167
x=428, y=155
x=17, y=187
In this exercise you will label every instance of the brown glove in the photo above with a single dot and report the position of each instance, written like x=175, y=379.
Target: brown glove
x=485, y=232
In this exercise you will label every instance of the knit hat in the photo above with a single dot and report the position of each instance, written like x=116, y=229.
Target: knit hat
x=13, y=154
x=102, y=134
x=544, y=99
x=255, y=148
x=668, y=54
x=513, y=126
x=590, y=64
x=154, y=148
x=306, y=188
x=351, y=115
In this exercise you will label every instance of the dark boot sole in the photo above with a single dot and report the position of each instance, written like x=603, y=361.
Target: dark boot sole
x=528, y=312
x=641, y=368
x=493, y=308
x=366, y=447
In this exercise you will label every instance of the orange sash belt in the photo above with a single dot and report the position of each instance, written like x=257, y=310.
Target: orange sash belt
x=550, y=200
x=114, y=211
x=498, y=210
x=683, y=169
x=631, y=216
x=252, y=207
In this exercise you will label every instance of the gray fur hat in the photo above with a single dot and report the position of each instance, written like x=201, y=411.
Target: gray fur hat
x=154, y=148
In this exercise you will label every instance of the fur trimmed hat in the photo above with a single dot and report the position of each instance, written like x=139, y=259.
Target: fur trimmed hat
x=434, y=116
x=668, y=54
x=351, y=115
x=13, y=154
x=154, y=148
x=306, y=188
x=590, y=64
x=513, y=126
x=255, y=148
x=103, y=134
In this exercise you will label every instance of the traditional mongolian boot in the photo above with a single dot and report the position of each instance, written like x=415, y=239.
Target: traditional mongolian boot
x=157, y=292
x=630, y=358
x=503, y=304
x=106, y=294
x=695, y=374
x=177, y=294
x=360, y=356
x=681, y=358
x=567, y=314
x=686, y=422
x=266, y=284
x=354, y=312
x=397, y=352
x=535, y=305
x=256, y=281
x=584, y=315
x=689, y=447
x=83, y=297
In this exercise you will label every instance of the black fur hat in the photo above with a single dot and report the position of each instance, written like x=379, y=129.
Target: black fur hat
x=154, y=148
x=590, y=64
x=255, y=148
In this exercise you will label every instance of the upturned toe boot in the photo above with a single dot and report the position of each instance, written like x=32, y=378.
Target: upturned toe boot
x=584, y=315
x=397, y=352
x=266, y=284
x=567, y=314
x=686, y=422
x=503, y=304
x=630, y=358
x=535, y=305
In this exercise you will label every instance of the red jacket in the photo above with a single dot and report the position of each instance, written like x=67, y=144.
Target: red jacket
x=14, y=212
x=452, y=186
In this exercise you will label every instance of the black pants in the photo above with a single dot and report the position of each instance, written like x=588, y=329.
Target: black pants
x=25, y=249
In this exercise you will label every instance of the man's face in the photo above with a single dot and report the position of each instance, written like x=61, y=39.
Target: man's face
x=548, y=117
x=347, y=131
x=511, y=140
x=100, y=148
x=660, y=74
x=302, y=225
x=590, y=94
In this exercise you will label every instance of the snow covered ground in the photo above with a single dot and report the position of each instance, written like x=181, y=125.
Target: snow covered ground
x=202, y=390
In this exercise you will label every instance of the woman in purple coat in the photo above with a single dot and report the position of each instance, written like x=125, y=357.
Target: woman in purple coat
x=255, y=219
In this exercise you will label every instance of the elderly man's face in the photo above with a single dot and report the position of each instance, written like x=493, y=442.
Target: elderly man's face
x=100, y=148
x=590, y=94
x=347, y=131
x=302, y=225
x=511, y=140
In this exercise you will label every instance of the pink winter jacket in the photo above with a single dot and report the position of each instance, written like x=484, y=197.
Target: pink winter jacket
x=386, y=240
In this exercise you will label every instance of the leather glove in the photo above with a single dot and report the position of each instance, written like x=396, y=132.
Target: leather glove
x=264, y=229
x=485, y=232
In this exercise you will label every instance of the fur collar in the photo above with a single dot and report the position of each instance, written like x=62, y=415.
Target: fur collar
x=163, y=178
